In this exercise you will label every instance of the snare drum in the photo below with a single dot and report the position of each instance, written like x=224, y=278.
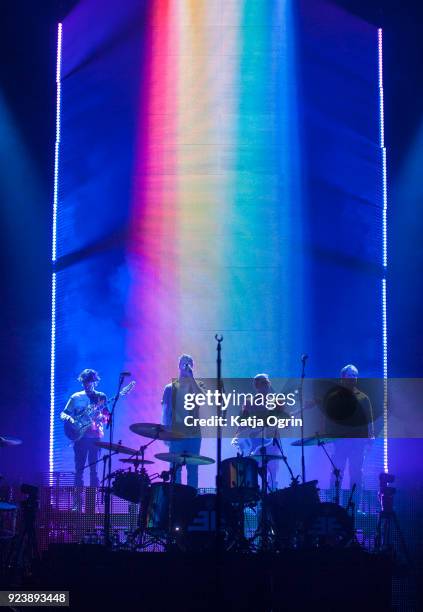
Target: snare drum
x=239, y=477
x=131, y=486
x=157, y=515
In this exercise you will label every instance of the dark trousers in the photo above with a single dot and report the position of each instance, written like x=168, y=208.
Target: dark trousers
x=190, y=445
x=84, y=449
x=353, y=450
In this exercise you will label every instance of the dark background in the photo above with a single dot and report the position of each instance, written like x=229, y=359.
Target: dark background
x=27, y=87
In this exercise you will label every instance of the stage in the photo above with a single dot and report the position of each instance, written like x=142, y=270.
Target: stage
x=295, y=580
x=212, y=331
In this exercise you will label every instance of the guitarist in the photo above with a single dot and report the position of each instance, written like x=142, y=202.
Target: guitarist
x=86, y=446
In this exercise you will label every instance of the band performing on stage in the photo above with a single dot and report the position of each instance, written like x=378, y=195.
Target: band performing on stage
x=175, y=514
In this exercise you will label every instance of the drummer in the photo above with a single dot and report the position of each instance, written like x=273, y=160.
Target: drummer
x=247, y=441
x=173, y=413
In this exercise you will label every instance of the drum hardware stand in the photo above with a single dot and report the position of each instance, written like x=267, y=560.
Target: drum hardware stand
x=263, y=528
x=108, y=460
x=350, y=508
x=351, y=504
x=173, y=474
x=303, y=362
x=139, y=533
x=104, y=459
x=24, y=550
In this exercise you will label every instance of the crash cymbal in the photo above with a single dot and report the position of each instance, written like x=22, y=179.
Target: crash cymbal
x=136, y=461
x=9, y=441
x=312, y=441
x=155, y=431
x=184, y=458
x=117, y=447
x=268, y=457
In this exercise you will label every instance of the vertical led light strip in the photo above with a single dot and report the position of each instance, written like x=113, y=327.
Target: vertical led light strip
x=384, y=252
x=54, y=249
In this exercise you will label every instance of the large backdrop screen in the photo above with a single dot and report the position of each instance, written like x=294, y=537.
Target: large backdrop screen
x=220, y=171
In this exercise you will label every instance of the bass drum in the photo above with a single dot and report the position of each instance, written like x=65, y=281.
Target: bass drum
x=200, y=532
x=131, y=486
x=289, y=510
x=157, y=514
x=329, y=526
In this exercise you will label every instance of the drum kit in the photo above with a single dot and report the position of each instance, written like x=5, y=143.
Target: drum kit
x=165, y=506
x=175, y=516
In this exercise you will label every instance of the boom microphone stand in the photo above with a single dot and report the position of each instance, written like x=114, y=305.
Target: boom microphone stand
x=277, y=443
x=107, y=497
x=335, y=471
x=219, y=539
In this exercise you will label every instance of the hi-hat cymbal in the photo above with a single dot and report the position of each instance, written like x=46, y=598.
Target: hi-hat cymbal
x=9, y=441
x=155, y=431
x=184, y=458
x=117, y=447
x=312, y=441
x=136, y=461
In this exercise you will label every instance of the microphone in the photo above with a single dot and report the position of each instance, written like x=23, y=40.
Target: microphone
x=125, y=374
x=304, y=357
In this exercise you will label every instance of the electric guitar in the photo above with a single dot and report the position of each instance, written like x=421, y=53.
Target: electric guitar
x=76, y=426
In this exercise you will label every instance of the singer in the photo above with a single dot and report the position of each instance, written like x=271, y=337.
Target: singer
x=174, y=413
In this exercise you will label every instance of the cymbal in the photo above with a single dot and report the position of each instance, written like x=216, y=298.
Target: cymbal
x=184, y=458
x=312, y=441
x=136, y=461
x=155, y=431
x=268, y=457
x=117, y=447
x=9, y=441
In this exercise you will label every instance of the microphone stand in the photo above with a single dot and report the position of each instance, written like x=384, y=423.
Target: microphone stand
x=303, y=361
x=219, y=542
x=336, y=471
x=108, y=460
